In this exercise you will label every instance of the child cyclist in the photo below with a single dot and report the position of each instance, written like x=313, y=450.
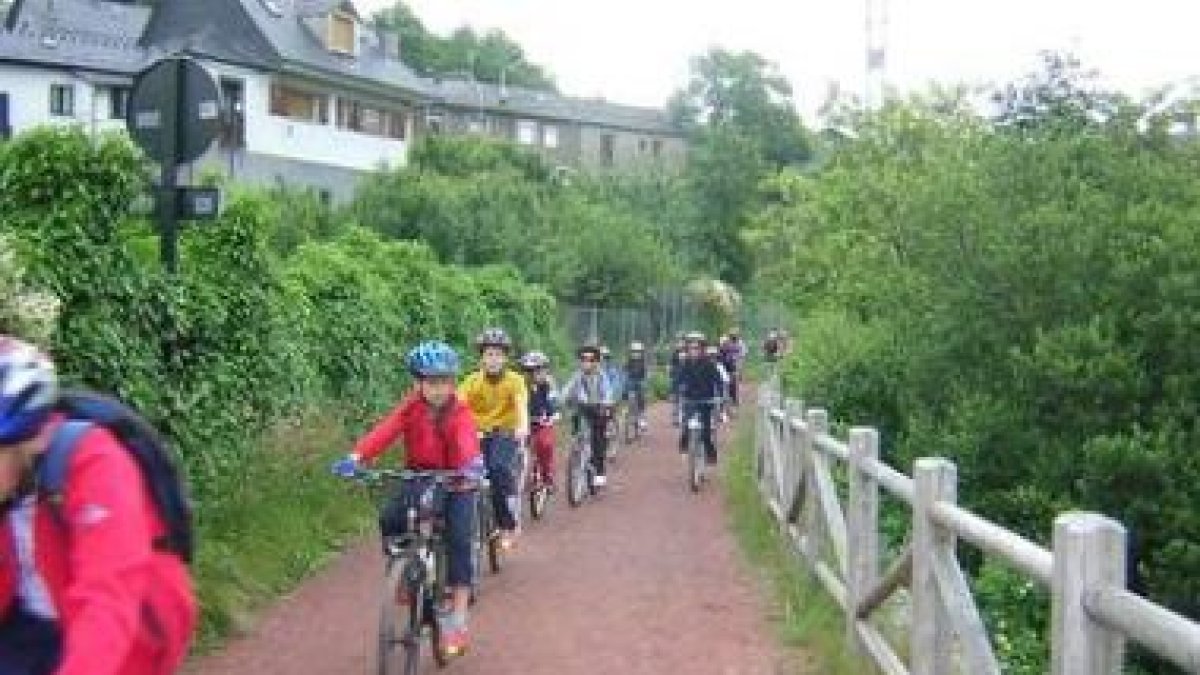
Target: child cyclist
x=499, y=400
x=543, y=413
x=592, y=397
x=439, y=433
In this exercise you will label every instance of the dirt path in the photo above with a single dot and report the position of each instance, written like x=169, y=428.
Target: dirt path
x=644, y=580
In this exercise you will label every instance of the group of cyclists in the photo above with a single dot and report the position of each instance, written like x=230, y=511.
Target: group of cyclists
x=479, y=429
x=93, y=569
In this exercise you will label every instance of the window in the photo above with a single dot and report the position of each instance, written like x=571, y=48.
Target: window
x=550, y=136
x=643, y=146
x=656, y=147
x=62, y=100
x=118, y=102
x=526, y=132
x=5, y=125
x=608, y=144
x=341, y=33
x=233, y=119
x=301, y=106
x=364, y=118
x=435, y=123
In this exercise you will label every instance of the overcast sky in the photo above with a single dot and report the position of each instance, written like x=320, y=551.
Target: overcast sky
x=637, y=51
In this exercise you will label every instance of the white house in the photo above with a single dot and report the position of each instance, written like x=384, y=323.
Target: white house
x=311, y=95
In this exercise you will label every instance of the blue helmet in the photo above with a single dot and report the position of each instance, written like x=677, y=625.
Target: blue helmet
x=433, y=359
x=28, y=390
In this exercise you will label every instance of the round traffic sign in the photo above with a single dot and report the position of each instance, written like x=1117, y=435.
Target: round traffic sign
x=174, y=110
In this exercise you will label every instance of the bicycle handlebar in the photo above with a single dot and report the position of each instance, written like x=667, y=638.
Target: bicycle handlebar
x=438, y=476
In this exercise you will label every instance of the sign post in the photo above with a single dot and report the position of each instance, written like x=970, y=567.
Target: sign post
x=174, y=115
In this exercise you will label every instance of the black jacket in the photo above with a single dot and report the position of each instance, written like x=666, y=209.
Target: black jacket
x=699, y=380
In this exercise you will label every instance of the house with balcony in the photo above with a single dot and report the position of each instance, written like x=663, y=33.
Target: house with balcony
x=311, y=95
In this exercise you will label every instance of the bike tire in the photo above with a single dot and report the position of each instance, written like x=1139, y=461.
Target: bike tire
x=389, y=619
x=576, y=476
x=694, y=462
x=414, y=623
x=632, y=431
x=538, y=500
x=495, y=555
x=435, y=644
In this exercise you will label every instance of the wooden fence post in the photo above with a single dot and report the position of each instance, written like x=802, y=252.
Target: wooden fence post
x=817, y=423
x=793, y=464
x=862, y=527
x=1089, y=553
x=934, y=480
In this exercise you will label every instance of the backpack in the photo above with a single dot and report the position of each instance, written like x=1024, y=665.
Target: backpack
x=85, y=410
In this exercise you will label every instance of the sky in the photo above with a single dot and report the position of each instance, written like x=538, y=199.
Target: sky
x=637, y=51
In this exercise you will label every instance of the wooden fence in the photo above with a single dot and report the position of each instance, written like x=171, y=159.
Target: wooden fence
x=1092, y=613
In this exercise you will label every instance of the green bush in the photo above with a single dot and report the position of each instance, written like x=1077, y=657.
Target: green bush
x=482, y=202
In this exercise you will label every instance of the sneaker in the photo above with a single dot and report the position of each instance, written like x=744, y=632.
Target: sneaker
x=508, y=541
x=600, y=481
x=455, y=638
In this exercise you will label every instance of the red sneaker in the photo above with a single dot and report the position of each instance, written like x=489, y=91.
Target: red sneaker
x=455, y=641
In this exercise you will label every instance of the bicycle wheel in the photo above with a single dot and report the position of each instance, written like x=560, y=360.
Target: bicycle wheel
x=539, y=496
x=400, y=625
x=495, y=555
x=489, y=537
x=629, y=425
x=435, y=629
x=695, y=463
x=576, y=475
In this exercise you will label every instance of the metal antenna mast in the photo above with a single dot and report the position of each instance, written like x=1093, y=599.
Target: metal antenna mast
x=877, y=21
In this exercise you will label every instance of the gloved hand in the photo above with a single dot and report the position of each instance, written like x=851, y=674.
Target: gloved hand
x=346, y=467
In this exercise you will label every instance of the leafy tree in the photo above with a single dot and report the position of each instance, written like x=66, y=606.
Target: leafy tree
x=484, y=56
x=744, y=93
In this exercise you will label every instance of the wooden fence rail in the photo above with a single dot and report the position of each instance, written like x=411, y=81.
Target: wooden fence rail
x=1092, y=614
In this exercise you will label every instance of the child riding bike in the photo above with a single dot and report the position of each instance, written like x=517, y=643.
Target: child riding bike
x=543, y=413
x=439, y=433
x=498, y=398
x=700, y=388
x=591, y=395
x=636, y=372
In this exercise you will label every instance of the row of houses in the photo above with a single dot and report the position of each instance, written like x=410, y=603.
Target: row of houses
x=312, y=95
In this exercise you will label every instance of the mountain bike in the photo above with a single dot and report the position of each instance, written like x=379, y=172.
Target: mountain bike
x=539, y=490
x=696, y=461
x=580, y=472
x=415, y=573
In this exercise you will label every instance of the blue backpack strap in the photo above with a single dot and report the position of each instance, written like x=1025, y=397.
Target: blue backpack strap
x=52, y=469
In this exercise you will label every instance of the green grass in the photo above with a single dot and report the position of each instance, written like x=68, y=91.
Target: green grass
x=807, y=620
x=279, y=520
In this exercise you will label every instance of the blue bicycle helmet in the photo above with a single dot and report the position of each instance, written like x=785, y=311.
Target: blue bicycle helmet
x=433, y=359
x=28, y=389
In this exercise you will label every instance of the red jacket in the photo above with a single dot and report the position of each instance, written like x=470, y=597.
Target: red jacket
x=450, y=443
x=124, y=609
